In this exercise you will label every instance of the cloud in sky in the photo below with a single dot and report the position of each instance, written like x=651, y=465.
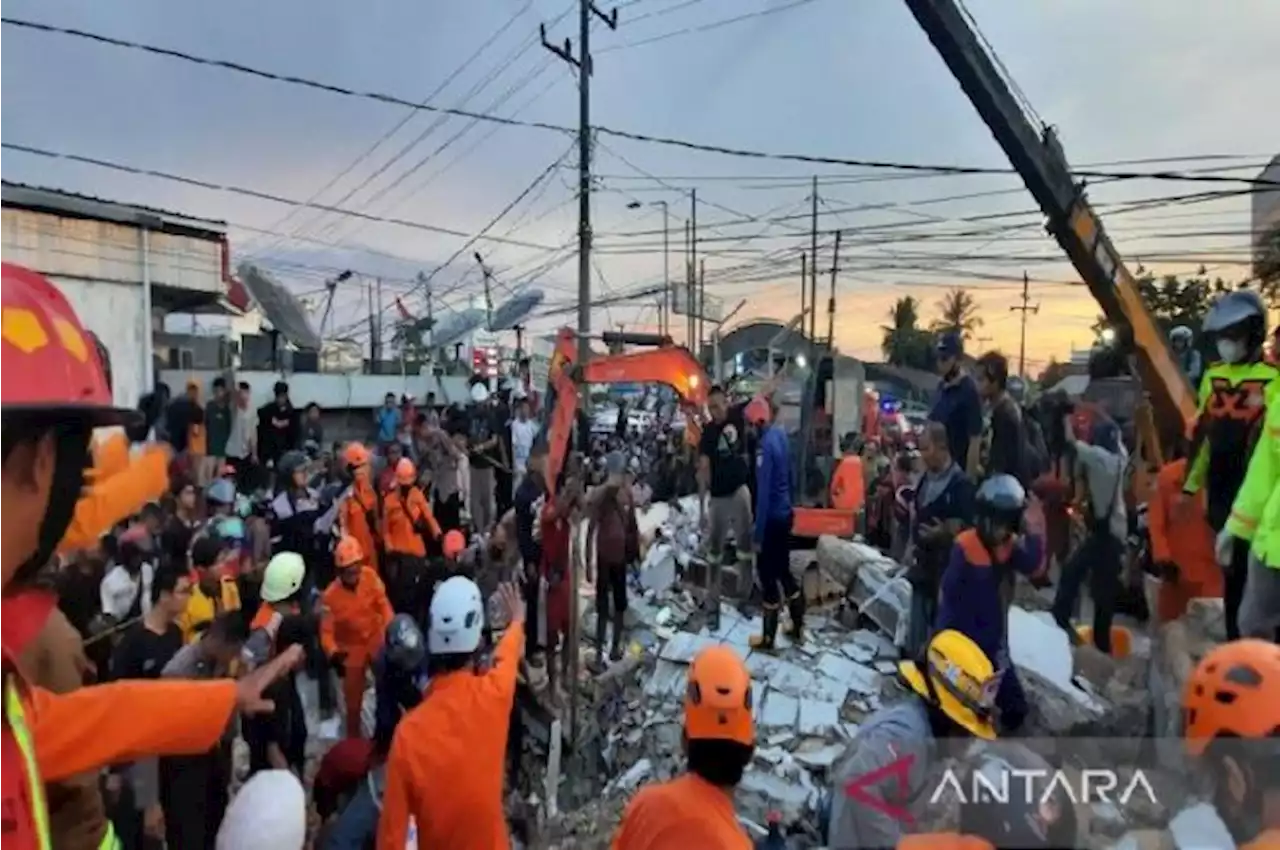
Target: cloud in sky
x=1149, y=78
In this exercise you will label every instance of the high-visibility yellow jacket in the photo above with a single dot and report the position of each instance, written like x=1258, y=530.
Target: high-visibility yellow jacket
x=1255, y=514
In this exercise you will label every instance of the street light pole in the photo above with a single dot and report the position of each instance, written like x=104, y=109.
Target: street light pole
x=664, y=306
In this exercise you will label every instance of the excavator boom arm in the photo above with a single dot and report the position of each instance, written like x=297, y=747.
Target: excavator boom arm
x=670, y=365
x=1039, y=160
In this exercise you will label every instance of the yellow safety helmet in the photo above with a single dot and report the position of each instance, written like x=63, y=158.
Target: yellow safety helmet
x=961, y=681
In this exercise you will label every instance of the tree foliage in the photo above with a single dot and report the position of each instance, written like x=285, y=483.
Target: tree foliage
x=1175, y=301
x=903, y=341
x=958, y=311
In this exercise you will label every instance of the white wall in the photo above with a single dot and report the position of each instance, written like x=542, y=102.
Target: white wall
x=332, y=392
x=114, y=312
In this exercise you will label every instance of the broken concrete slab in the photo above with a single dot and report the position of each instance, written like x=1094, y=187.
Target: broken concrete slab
x=857, y=677
x=818, y=717
x=1037, y=644
x=1199, y=826
x=884, y=596
x=779, y=710
x=667, y=679
x=791, y=678
x=684, y=647
x=841, y=559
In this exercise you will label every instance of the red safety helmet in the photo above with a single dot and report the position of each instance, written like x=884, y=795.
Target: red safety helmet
x=757, y=411
x=51, y=363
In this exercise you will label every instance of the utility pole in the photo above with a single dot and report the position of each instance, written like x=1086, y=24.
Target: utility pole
x=813, y=264
x=702, y=306
x=688, y=286
x=373, y=330
x=664, y=314
x=695, y=336
x=804, y=290
x=377, y=337
x=488, y=290
x=831, y=302
x=425, y=283
x=1025, y=307
x=583, y=63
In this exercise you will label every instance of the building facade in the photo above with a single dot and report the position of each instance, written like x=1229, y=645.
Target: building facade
x=122, y=267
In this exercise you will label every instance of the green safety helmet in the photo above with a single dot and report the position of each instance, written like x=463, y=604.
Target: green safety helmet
x=283, y=576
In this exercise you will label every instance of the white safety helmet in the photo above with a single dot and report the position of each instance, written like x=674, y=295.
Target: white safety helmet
x=457, y=618
x=479, y=392
x=1181, y=333
x=283, y=576
x=269, y=812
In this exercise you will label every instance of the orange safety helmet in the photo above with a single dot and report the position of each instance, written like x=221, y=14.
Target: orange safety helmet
x=348, y=552
x=355, y=454
x=51, y=363
x=406, y=472
x=454, y=543
x=1234, y=691
x=757, y=411
x=717, y=701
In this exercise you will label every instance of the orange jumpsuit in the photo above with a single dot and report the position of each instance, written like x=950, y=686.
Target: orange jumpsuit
x=117, y=487
x=353, y=622
x=848, y=488
x=1180, y=534
x=447, y=760
x=688, y=812
x=359, y=517
x=93, y=727
x=401, y=517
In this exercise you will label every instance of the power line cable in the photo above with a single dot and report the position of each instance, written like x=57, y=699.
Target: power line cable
x=667, y=141
x=253, y=193
x=410, y=115
x=707, y=27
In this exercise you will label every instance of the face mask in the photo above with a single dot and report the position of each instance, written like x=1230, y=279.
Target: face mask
x=1230, y=350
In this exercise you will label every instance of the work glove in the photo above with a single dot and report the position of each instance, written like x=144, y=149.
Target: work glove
x=1222, y=548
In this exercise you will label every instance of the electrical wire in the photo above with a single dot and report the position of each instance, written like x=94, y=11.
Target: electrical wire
x=408, y=116
x=707, y=27
x=667, y=141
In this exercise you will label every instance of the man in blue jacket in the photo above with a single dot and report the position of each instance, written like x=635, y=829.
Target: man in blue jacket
x=773, y=525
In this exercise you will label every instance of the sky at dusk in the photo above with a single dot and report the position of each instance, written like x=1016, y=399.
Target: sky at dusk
x=854, y=79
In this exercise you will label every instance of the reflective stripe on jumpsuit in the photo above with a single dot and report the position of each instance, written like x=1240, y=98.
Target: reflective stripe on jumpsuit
x=17, y=718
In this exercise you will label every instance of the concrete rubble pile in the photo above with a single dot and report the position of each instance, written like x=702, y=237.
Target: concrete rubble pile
x=810, y=698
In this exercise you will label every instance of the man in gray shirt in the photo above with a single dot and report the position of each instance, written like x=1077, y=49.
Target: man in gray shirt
x=1102, y=462
x=241, y=439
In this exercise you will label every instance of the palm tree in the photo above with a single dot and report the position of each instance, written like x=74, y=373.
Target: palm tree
x=958, y=311
x=902, y=337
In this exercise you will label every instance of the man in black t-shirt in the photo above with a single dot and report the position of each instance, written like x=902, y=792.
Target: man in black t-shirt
x=484, y=444
x=723, y=496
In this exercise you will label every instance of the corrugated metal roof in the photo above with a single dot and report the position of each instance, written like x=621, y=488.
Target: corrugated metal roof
x=71, y=204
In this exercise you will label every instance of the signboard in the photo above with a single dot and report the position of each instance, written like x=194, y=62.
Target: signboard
x=683, y=303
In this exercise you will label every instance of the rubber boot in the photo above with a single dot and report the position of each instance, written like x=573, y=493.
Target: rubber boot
x=615, y=651
x=602, y=623
x=764, y=641
x=795, y=608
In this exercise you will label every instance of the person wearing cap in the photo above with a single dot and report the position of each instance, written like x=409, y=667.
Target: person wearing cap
x=696, y=808
x=773, y=519
x=954, y=685
x=613, y=543
x=446, y=765
x=956, y=404
x=355, y=613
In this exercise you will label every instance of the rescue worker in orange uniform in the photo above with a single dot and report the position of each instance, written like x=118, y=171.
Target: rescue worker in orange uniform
x=1181, y=544
x=361, y=512
x=696, y=809
x=54, y=392
x=354, y=618
x=407, y=522
x=447, y=760
x=848, y=486
x=1231, y=708
x=115, y=487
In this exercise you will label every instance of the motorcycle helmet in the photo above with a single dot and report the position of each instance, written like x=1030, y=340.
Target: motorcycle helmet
x=291, y=462
x=1238, y=320
x=220, y=492
x=404, y=644
x=1001, y=501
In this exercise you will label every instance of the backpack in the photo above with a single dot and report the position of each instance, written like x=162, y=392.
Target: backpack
x=1035, y=450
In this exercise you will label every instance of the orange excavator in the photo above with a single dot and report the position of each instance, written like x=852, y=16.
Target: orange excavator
x=666, y=364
